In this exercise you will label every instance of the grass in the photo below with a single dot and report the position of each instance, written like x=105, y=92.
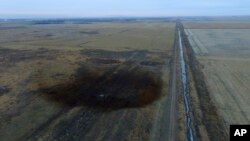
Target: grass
x=41, y=59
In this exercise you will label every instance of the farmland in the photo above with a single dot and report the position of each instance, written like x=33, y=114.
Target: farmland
x=118, y=79
x=222, y=51
x=85, y=81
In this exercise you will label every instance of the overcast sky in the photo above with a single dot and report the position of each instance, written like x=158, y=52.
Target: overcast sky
x=111, y=8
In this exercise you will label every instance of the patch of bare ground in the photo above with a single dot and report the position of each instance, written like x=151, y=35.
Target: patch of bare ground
x=207, y=123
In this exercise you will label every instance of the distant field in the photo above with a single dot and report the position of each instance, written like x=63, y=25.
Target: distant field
x=217, y=25
x=224, y=54
x=116, y=36
x=101, y=81
x=232, y=43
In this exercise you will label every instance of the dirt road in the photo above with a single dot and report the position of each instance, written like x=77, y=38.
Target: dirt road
x=173, y=93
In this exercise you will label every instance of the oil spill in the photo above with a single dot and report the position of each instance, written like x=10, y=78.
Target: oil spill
x=107, y=88
x=4, y=89
x=108, y=80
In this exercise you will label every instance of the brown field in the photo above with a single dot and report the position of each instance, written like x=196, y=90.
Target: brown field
x=223, y=51
x=97, y=81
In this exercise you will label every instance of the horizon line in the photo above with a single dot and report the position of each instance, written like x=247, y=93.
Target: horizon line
x=115, y=17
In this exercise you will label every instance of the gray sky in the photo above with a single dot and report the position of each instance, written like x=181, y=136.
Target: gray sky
x=109, y=8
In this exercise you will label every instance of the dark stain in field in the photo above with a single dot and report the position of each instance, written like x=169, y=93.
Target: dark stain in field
x=107, y=89
x=4, y=89
x=109, y=80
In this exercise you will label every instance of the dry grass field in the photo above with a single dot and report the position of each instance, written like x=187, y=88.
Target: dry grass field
x=222, y=24
x=223, y=50
x=95, y=81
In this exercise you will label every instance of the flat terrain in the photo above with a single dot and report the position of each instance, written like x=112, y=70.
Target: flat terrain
x=91, y=81
x=217, y=24
x=223, y=50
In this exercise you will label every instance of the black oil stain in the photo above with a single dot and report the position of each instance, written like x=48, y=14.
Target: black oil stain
x=112, y=89
x=108, y=80
x=4, y=89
